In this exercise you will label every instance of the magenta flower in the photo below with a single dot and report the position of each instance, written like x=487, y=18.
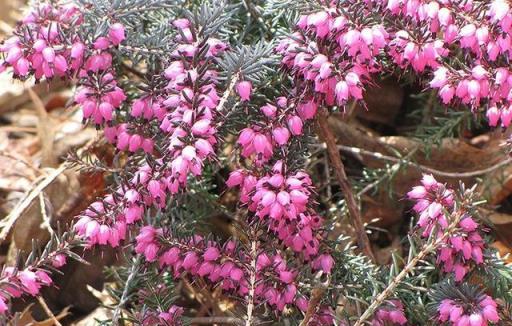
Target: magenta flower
x=434, y=204
x=478, y=313
x=59, y=261
x=117, y=33
x=244, y=89
x=392, y=313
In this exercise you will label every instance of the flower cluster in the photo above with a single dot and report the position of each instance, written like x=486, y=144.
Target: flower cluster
x=99, y=97
x=480, y=31
x=390, y=314
x=432, y=198
x=226, y=265
x=336, y=50
x=104, y=231
x=171, y=317
x=185, y=113
x=281, y=198
x=185, y=119
x=29, y=280
x=137, y=133
x=167, y=125
x=479, y=313
x=14, y=283
x=280, y=122
x=126, y=140
x=435, y=206
x=192, y=106
x=44, y=44
x=474, y=86
x=47, y=44
x=327, y=80
x=285, y=201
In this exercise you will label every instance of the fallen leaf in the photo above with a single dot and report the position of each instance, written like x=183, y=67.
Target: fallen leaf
x=25, y=318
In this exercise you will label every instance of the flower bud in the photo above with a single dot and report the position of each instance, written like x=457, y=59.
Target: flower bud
x=117, y=33
x=244, y=89
x=281, y=135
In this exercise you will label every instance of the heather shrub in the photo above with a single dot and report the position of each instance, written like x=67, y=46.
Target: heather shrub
x=204, y=100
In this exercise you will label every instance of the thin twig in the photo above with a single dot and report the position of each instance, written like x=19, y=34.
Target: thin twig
x=388, y=173
x=427, y=249
x=126, y=291
x=48, y=311
x=227, y=92
x=424, y=168
x=46, y=220
x=334, y=155
x=314, y=302
x=142, y=50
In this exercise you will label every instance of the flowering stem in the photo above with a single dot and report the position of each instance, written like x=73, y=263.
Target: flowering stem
x=137, y=49
x=334, y=156
x=427, y=249
x=126, y=291
x=227, y=92
x=252, y=284
x=187, y=248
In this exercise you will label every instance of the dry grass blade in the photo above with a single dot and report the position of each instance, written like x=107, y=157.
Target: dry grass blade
x=48, y=311
x=45, y=131
x=8, y=222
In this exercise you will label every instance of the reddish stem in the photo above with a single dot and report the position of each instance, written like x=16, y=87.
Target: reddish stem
x=327, y=136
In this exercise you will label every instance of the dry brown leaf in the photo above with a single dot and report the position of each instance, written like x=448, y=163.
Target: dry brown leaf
x=100, y=313
x=464, y=157
x=383, y=102
x=503, y=250
x=25, y=318
x=496, y=218
x=28, y=225
x=13, y=94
